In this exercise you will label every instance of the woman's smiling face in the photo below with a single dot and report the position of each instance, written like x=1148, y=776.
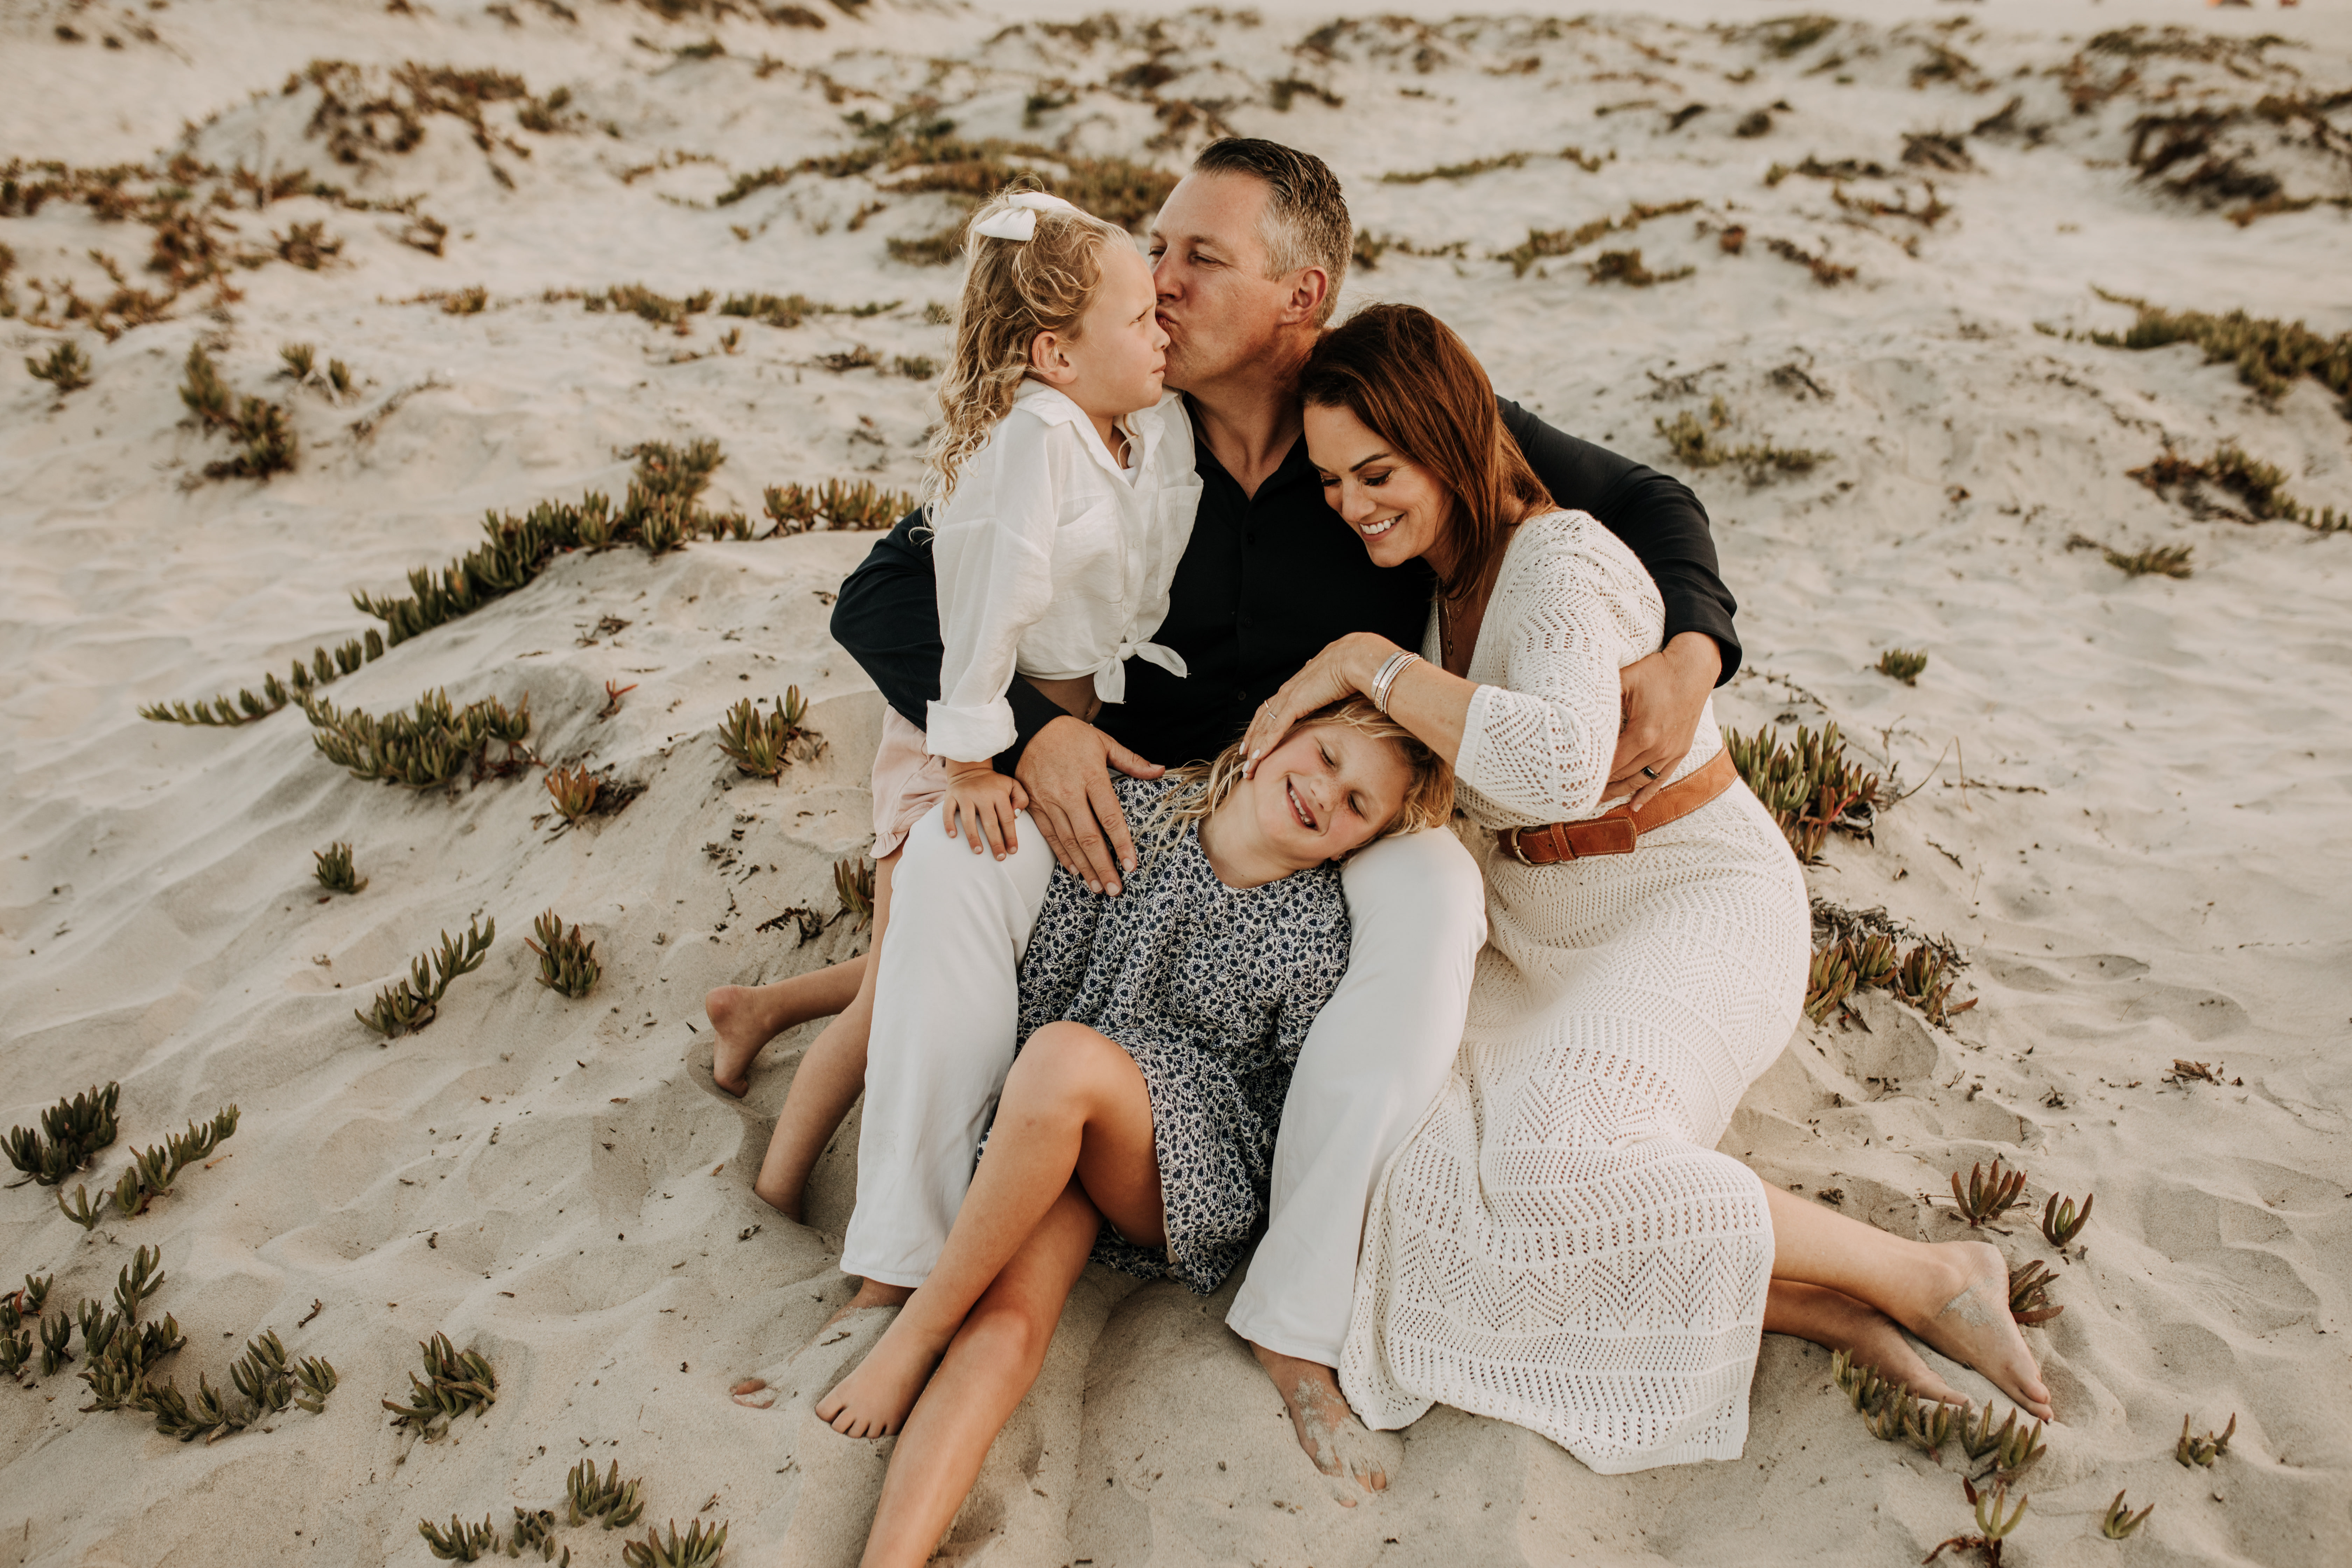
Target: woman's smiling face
x=1398, y=508
x=1324, y=792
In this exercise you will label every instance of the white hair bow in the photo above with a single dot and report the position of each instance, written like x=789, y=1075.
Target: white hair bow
x=1018, y=220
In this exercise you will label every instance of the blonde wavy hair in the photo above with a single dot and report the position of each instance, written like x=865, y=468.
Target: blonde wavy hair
x=1013, y=289
x=1205, y=786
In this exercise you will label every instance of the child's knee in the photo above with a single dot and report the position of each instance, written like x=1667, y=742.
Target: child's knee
x=1012, y=1334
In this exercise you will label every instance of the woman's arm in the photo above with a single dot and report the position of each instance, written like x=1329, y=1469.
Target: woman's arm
x=1655, y=514
x=1538, y=743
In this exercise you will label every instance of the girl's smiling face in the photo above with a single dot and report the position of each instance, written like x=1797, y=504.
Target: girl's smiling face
x=1397, y=509
x=1324, y=793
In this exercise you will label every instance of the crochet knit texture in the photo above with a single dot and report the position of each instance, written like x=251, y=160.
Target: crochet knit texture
x=1558, y=1244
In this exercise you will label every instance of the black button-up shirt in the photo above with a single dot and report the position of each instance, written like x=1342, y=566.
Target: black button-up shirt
x=1265, y=582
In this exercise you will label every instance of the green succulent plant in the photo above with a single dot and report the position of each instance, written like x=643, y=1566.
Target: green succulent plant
x=140, y=1277
x=2120, y=1522
x=1806, y=784
x=409, y=1004
x=698, y=1547
x=763, y=744
x=610, y=1498
x=567, y=963
x=2203, y=1451
x=1987, y=1197
x=2062, y=1222
x=453, y=1383
x=335, y=871
x=67, y=368
x=71, y=1132
x=461, y=1542
x=1905, y=664
x=853, y=882
x=1992, y=1529
x=424, y=749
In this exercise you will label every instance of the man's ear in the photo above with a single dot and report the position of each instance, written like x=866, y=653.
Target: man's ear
x=1048, y=362
x=1308, y=289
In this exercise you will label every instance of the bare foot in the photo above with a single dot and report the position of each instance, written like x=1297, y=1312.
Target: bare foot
x=874, y=1400
x=1837, y=1322
x=1963, y=1311
x=1340, y=1446
x=733, y=1013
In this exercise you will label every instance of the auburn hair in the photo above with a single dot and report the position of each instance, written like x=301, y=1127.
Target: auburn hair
x=1414, y=384
x=1205, y=786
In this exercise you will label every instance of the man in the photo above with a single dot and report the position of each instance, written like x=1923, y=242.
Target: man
x=1248, y=255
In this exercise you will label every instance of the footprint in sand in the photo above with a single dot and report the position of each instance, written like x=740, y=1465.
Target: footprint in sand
x=816, y=1366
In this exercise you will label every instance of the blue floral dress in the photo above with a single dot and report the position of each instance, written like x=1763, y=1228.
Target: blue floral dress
x=1211, y=989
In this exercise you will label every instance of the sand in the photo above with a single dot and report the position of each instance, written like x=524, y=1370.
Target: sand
x=2124, y=798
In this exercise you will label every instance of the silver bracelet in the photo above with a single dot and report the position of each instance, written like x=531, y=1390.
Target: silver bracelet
x=1397, y=664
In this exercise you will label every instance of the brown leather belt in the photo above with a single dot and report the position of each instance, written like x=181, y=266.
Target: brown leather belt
x=1615, y=833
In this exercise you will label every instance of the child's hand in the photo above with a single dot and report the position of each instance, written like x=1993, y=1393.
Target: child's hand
x=980, y=805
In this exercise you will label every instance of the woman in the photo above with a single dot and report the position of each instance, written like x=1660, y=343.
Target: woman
x=1558, y=1245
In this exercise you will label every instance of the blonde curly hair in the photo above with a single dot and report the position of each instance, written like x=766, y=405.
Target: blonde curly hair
x=1012, y=290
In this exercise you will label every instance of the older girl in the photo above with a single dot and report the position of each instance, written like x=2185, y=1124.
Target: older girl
x=1138, y=1122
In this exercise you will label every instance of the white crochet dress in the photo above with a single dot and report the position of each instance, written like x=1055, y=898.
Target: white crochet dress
x=1558, y=1244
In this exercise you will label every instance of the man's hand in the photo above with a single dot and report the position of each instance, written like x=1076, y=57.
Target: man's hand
x=1663, y=696
x=1065, y=768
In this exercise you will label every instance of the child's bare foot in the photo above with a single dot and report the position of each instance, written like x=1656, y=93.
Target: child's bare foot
x=874, y=1400
x=734, y=1014
x=1340, y=1446
x=1962, y=1309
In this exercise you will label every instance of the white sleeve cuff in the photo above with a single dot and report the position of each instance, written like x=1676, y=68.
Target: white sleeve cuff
x=968, y=734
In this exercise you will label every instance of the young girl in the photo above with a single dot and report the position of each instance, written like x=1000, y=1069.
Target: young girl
x=1138, y=1122
x=1061, y=496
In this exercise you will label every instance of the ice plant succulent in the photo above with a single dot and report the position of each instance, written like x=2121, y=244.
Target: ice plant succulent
x=1992, y=1528
x=454, y=1382
x=610, y=1499
x=2028, y=1294
x=2121, y=1522
x=698, y=1547
x=71, y=1132
x=566, y=963
x=1903, y=664
x=2062, y=1222
x=461, y=1542
x=2203, y=1451
x=763, y=744
x=335, y=872
x=407, y=1006
x=852, y=882
x=1987, y=1197
x=67, y=368
x=2020, y=1446
x=573, y=791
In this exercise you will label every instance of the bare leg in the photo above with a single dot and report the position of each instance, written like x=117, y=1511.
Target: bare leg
x=748, y=1017
x=1075, y=1103
x=986, y=1372
x=1952, y=1294
x=1835, y=1320
x=1339, y=1445
x=831, y=1076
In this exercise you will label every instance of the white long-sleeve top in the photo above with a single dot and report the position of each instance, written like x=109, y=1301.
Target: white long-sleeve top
x=1053, y=563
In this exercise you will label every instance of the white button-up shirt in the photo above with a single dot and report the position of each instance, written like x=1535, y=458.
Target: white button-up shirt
x=1051, y=564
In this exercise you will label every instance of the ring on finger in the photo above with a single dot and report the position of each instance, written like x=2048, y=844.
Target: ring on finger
x=1648, y=773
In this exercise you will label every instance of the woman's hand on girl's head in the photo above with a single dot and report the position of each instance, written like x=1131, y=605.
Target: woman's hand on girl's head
x=980, y=805
x=1342, y=670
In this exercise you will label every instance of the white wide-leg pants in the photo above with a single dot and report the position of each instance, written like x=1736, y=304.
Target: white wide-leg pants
x=947, y=1000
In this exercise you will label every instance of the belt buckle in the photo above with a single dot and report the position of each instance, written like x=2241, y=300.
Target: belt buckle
x=1511, y=845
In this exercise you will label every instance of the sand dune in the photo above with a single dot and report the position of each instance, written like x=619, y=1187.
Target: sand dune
x=2123, y=797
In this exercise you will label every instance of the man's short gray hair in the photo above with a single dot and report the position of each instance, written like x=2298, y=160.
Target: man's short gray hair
x=1307, y=222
